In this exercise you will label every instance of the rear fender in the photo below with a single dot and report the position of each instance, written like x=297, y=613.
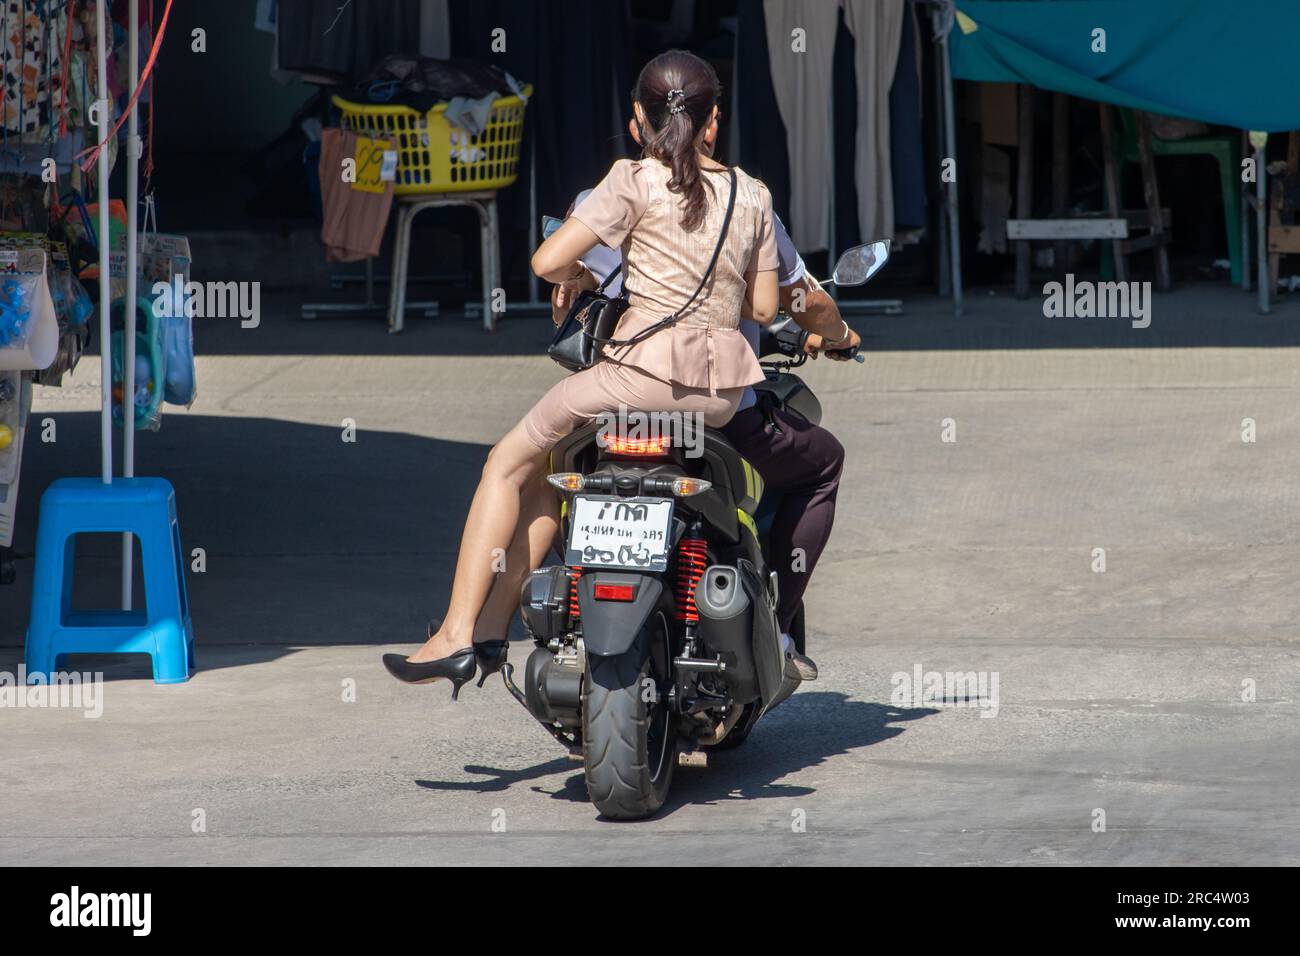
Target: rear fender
x=610, y=627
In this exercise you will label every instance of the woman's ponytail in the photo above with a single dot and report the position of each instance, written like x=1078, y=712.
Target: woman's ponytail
x=677, y=92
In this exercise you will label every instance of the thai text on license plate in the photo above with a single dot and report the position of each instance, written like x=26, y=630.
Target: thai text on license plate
x=613, y=532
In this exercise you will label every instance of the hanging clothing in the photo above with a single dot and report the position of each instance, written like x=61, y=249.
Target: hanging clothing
x=803, y=83
x=907, y=152
x=801, y=80
x=435, y=29
x=877, y=27
x=31, y=51
x=330, y=38
x=761, y=147
x=353, y=220
x=576, y=122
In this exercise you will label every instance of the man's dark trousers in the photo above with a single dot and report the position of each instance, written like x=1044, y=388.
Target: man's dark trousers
x=802, y=462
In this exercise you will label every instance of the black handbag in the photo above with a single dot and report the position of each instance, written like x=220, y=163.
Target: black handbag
x=592, y=319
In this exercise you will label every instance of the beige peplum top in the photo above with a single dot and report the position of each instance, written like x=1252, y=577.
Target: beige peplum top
x=632, y=209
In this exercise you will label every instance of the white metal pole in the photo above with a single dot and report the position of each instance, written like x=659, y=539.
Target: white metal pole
x=128, y=335
x=104, y=122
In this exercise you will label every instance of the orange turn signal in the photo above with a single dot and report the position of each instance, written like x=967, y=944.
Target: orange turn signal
x=567, y=481
x=685, y=487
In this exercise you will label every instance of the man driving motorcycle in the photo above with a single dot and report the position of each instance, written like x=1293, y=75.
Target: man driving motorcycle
x=800, y=461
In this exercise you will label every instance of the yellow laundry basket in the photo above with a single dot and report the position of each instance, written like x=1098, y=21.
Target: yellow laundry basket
x=433, y=156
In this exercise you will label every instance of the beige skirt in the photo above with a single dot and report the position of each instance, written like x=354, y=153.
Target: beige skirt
x=608, y=385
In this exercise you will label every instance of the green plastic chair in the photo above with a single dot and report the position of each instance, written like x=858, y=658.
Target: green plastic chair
x=1224, y=147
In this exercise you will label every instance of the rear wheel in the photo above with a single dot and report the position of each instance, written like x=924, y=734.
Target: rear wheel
x=629, y=741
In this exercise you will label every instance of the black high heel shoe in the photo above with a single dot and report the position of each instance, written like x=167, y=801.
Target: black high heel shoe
x=490, y=656
x=458, y=667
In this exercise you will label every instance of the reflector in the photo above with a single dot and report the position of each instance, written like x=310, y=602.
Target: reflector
x=615, y=592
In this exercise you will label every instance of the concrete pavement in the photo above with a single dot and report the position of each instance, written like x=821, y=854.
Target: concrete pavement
x=1118, y=691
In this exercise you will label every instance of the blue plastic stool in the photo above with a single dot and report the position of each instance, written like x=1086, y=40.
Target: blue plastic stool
x=146, y=507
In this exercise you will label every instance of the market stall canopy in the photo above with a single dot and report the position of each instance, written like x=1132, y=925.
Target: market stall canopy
x=1230, y=63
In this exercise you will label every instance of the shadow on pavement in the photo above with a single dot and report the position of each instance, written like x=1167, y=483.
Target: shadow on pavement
x=804, y=732
x=307, y=539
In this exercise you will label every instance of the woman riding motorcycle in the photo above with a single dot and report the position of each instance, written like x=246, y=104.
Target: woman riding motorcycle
x=798, y=461
x=665, y=212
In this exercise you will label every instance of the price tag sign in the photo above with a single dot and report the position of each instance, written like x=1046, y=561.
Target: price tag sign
x=370, y=163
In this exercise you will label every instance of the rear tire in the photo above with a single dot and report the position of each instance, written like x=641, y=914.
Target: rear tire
x=629, y=745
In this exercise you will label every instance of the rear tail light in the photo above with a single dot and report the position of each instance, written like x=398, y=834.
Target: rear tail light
x=615, y=592
x=638, y=446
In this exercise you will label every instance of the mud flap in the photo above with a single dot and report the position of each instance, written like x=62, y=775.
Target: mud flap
x=610, y=627
x=769, y=660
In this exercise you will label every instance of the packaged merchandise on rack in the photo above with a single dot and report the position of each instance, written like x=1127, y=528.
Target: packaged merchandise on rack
x=150, y=365
x=29, y=328
x=31, y=333
x=164, y=353
x=48, y=231
x=165, y=259
x=73, y=308
x=15, y=403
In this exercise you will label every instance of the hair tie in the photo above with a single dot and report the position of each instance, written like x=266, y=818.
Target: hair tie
x=674, y=108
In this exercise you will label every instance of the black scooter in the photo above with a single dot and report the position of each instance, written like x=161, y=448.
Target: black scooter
x=657, y=638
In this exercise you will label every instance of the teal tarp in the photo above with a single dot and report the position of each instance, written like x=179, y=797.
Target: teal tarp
x=1235, y=62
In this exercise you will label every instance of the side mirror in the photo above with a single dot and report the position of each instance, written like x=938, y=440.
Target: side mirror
x=860, y=263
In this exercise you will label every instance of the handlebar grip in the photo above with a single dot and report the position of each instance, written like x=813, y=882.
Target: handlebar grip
x=847, y=353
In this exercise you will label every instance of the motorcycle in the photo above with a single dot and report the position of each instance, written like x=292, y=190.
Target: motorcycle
x=657, y=638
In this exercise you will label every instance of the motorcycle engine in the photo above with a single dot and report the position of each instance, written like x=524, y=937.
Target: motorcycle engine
x=544, y=604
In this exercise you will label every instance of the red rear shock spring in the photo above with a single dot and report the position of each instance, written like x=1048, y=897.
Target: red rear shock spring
x=575, y=572
x=692, y=558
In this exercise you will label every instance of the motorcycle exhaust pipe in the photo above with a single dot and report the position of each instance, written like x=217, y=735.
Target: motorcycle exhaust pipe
x=727, y=627
x=738, y=621
x=723, y=727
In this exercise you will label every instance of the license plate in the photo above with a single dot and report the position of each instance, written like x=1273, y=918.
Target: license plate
x=608, y=532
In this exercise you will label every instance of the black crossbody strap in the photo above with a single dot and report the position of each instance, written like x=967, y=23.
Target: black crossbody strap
x=717, y=251
x=610, y=278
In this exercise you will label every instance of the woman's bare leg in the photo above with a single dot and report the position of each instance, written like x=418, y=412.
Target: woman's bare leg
x=539, y=522
x=493, y=517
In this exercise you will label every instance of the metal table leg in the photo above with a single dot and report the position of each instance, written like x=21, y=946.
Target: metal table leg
x=401, y=257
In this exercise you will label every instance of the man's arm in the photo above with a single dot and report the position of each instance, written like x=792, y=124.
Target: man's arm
x=808, y=304
x=813, y=309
